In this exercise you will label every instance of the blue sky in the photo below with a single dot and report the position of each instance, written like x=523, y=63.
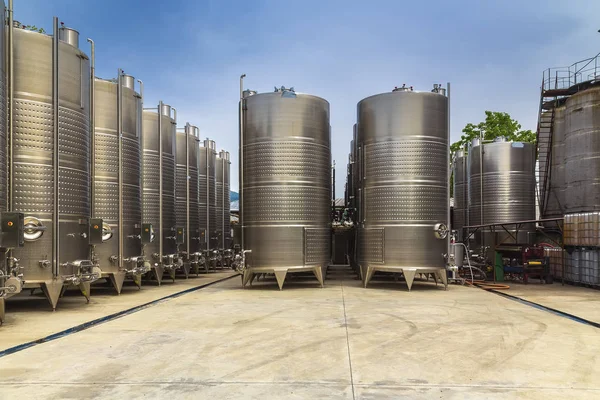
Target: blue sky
x=190, y=53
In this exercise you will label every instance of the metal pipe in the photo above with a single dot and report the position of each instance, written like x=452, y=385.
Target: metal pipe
x=449, y=174
x=120, y=167
x=92, y=128
x=160, y=185
x=241, y=161
x=207, y=236
x=11, y=96
x=187, y=188
x=56, y=149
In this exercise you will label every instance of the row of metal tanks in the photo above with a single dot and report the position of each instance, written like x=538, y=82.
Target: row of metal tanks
x=398, y=184
x=494, y=183
x=87, y=175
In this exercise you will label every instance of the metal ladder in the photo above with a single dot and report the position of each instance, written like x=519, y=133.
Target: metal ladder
x=544, y=152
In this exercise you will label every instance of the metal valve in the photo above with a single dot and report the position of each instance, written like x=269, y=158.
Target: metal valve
x=440, y=230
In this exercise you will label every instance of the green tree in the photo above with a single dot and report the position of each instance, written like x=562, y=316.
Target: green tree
x=496, y=124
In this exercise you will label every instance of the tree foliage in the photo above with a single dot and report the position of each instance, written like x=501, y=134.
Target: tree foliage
x=496, y=124
x=35, y=28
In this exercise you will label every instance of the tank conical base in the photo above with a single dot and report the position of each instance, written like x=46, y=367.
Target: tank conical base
x=408, y=272
x=280, y=273
x=53, y=290
x=117, y=279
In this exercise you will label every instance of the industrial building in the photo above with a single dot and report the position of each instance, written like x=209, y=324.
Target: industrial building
x=125, y=273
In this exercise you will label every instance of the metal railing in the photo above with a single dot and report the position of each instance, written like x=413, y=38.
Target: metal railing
x=564, y=77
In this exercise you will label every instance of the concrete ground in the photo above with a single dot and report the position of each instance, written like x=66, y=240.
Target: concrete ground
x=30, y=317
x=340, y=342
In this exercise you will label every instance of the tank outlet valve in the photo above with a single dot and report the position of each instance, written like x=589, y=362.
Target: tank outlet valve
x=45, y=263
x=113, y=259
x=440, y=230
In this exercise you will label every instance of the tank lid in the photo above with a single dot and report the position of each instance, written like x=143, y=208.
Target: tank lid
x=224, y=155
x=248, y=93
x=286, y=92
x=475, y=142
x=500, y=139
x=460, y=153
x=402, y=88
x=166, y=110
x=128, y=81
x=437, y=88
x=68, y=35
x=210, y=144
x=194, y=131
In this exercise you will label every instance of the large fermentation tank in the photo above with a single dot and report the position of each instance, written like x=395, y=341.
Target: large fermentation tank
x=223, y=199
x=555, y=201
x=211, y=193
x=582, y=152
x=286, y=183
x=106, y=175
x=403, y=151
x=508, y=177
x=159, y=207
x=3, y=165
x=461, y=192
x=33, y=150
x=186, y=194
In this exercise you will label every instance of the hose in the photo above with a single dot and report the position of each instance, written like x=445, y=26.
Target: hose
x=481, y=283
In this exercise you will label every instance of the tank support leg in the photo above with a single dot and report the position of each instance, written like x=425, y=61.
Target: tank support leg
x=2, y=311
x=280, y=276
x=85, y=288
x=137, y=279
x=444, y=278
x=318, y=271
x=247, y=275
x=409, y=275
x=368, y=274
x=52, y=289
x=158, y=274
x=117, y=280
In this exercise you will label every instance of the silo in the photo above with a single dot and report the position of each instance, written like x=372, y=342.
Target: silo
x=555, y=201
x=158, y=188
x=404, y=207
x=223, y=205
x=582, y=152
x=461, y=193
x=286, y=184
x=186, y=196
x=50, y=159
x=508, y=179
x=4, y=270
x=207, y=200
x=118, y=108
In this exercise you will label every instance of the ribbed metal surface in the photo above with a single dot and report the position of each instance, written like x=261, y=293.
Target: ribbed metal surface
x=582, y=152
x=151, y=178
x=508, y=185
x=202, y=196
x=193, y=235
x=556, y=194
x=106, y=164
x=287, y=172
x=403, y=140
x=33, y=145
x=461, y=192
x=223, y=201
x=3, y=94
x=211, y=189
